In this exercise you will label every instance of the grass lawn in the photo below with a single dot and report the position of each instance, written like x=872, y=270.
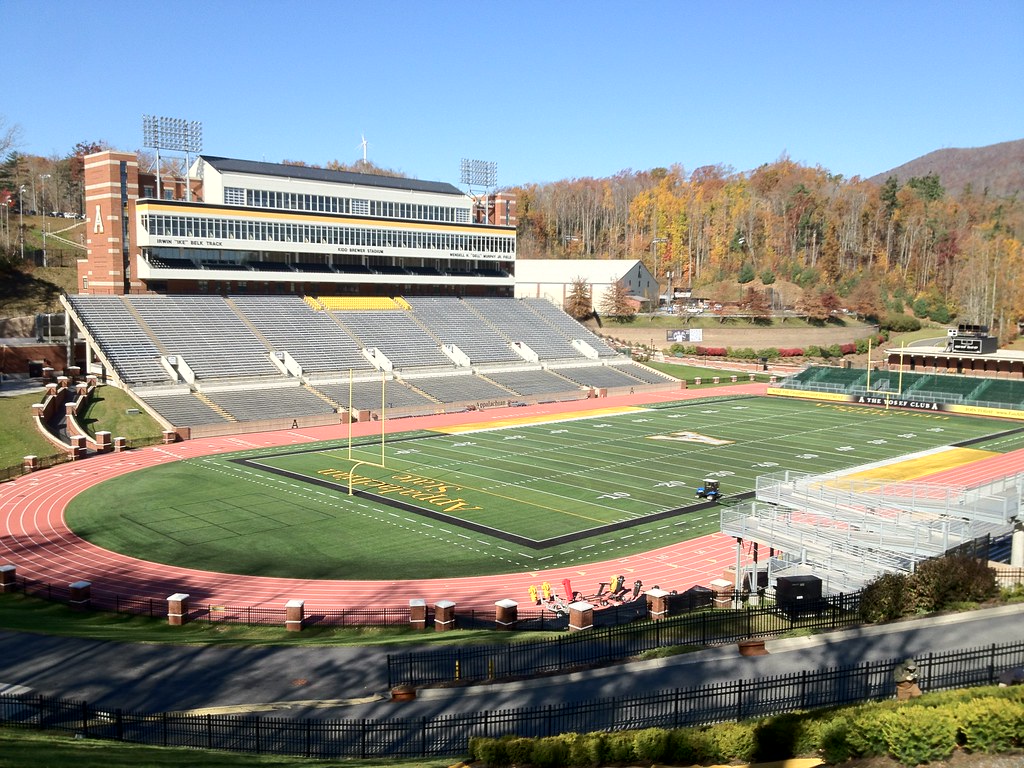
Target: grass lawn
x=514, y=497
x=25, y=613
x=18, y=434
x=48, y=749
x=108, y=409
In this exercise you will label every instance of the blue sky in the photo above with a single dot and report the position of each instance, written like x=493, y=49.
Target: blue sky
x=547, y=90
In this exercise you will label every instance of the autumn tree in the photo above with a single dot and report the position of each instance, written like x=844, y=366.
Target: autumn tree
x=616, y=302
x=578, y=303
x=756, y=304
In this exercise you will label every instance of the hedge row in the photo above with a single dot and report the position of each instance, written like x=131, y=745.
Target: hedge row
x=859, y=347
x=930, y=728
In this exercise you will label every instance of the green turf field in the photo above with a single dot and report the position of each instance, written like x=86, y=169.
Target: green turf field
x=516, y=497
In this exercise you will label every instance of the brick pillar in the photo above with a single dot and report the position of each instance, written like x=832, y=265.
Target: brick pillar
x=506, y=614
x=294, y=615
x=81, y=389
x=71, y=408
x=103, y=442
x=78, y=449
x=30, y=463
x=177, y=609
x=732, y=379
x=418, y=614
x=723, y=590
x=753, y=376
x=80, y=594
x=120, y=444
x=74, y=371
x=581, y=616
x=697, y=380
x=170, y=436
x=8, y=578
x=63, y=382
x=773, y=379
x=91, y=380
x=715, y=379
x=444, y=616
x=657, y=603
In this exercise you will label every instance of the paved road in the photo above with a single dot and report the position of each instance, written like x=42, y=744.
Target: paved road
x=352, y=682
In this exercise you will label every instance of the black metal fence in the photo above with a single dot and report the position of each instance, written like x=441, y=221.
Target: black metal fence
x=450, y=734
x=614, y=643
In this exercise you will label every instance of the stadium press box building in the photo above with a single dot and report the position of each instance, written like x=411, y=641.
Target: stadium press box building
x=266, y=228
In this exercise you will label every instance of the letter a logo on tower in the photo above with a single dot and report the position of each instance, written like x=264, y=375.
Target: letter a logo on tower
x=97, y=222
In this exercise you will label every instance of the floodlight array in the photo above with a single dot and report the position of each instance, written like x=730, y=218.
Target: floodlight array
x=172, y=133
x=479, y=173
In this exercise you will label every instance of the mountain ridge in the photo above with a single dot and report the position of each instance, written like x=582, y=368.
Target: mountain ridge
x=995, y=169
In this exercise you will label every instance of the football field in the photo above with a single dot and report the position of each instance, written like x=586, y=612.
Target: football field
x=525, y=493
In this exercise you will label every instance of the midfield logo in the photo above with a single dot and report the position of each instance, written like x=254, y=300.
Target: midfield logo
x=691, y=437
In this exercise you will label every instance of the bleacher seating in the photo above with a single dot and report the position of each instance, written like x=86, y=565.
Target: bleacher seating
x=1002, y=392
x=206, y=333
x=169, y=262
x=946, y=387
x=564, y=324
x=598, y=376
x=269, y=266
x=125, y=343
x=360, y=303
x=184, y=410
x=235, y=338
x=367, y=395
x=460, y=389
x=643, y=374
x=256, y=404
x=303, y=266
x=397, y=335
x=452, y=322
x=514, y=320
x=312, y=338
x=533, y=383
x=839, y=378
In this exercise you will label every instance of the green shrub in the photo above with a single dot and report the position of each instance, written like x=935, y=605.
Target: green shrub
x=747, y=273
x=991, y=725
x=886, y=598
x=862, y=346
x=834, y=741
x=866, y=736
x=897, y=322
x=651, y=744
x=518, y=750
x=743, y=353
x=691, y=746
x=834, y=350
x=550, y=752
x=619, y=747
x=921, y=307
x=490, y=751
x=812, y=351
x=772, y=353
x=734, y=741
x=937, y=584
x=588, y=750
x=920, y=735
x=767, y=277
x=785, y=736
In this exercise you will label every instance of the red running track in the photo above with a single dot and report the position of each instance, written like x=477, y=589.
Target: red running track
x=35, y=539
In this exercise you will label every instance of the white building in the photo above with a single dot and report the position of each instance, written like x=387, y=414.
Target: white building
x=553, y=279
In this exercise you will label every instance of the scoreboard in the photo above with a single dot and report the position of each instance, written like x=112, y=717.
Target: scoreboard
x=978, y=345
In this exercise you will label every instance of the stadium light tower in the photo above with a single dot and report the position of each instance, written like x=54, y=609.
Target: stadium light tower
x=481, y=173
x=175, y=135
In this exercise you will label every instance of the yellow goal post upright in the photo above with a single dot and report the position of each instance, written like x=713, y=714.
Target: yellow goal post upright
x=383, y=417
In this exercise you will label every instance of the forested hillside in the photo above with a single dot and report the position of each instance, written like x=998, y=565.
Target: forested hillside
x=997, y=169
x=899, y=245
